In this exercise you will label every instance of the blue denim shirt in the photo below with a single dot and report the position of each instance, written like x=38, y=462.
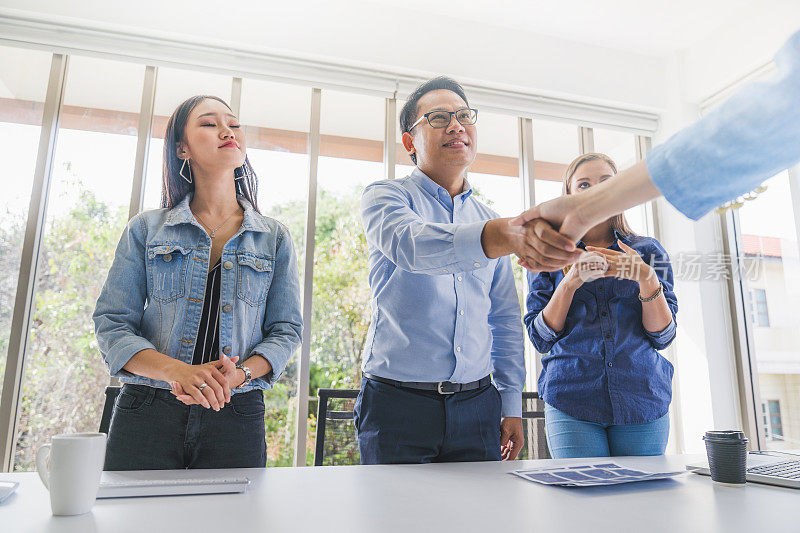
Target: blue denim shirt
x=603, y=366
x=153, y=295
x=441, y=310
x=752, y=136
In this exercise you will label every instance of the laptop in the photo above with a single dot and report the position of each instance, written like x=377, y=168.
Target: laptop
x=126, y=484
x=771, y=468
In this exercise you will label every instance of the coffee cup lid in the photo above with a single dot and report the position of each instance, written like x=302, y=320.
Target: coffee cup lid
x=725, y=436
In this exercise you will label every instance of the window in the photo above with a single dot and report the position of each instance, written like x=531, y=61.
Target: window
x=275, y=118
x=769, y=264
x=23, y=81
x=775, y=423
x=351, y=156
x=65, y=376
x=555, y=145
x=758, y=308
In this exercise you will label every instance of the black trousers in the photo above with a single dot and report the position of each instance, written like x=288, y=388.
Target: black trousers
x=151, y=430
x=399, y=425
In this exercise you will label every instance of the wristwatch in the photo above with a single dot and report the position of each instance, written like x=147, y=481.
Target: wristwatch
x=247, y=376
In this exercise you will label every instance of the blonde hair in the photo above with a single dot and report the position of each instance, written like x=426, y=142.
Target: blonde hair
x=618, y=222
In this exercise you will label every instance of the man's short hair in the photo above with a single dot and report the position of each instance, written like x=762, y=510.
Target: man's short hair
x=409, y=112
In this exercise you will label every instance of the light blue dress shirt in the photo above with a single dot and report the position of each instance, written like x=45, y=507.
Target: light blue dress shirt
x=750, y=137
x=441, y=310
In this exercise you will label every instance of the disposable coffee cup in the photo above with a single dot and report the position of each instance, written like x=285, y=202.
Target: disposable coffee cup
x=727, y=456
x=70, y=467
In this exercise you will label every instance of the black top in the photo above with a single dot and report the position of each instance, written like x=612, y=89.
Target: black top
x=206, y=348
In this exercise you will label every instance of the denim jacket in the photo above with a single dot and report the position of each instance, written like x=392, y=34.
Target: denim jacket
x=153, y=295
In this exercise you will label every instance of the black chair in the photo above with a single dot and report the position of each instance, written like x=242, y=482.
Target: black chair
x=336, y=433
x=533, y=424
x=108, y=408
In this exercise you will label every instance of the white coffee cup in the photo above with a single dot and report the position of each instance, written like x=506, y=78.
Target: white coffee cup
x=70, y=467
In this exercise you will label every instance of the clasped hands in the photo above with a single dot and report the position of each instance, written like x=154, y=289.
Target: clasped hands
x=208, y=384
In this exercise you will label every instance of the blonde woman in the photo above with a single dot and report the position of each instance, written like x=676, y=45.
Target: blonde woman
x=606, y=388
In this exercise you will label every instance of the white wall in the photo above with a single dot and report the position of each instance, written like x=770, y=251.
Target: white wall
x=738, y=47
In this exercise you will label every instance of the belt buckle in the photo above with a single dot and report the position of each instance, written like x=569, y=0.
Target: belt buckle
x=439, y=388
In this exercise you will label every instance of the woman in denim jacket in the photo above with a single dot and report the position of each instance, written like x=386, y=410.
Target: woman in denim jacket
x=195, y=287
x=600, y=325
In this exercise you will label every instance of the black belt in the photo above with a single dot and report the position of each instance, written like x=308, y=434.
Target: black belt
x=442, y=387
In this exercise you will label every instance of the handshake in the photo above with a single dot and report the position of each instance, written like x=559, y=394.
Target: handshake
x=543, y=237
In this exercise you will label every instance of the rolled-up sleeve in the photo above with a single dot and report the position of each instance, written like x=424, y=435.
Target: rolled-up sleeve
x=118, y=312
x=540, y=289
x=508, y=349
x=413, y=244
x=659, y=260
x=750, y=137
x=283, y=320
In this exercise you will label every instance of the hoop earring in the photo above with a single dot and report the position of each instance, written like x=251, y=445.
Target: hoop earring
x=189, y=179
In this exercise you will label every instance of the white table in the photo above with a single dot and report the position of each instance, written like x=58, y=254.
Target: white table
x=461, y=497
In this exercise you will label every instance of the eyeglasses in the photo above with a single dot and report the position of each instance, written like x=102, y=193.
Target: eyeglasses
x=441, y=119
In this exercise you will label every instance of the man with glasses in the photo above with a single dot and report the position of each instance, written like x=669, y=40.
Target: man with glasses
x=443, y=361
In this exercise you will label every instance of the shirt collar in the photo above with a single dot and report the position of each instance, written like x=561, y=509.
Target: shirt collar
x=182, y=214
x=436, y=190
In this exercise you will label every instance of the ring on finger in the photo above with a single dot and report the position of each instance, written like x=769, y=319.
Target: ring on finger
x=203, y=386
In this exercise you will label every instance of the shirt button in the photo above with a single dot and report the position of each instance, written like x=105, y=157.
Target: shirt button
x=226, y=350
x=600, y=289
x=476, y=264
x=227, y=308
x=608, y=336
x=458, y=348
x=604, y=313
x=168, y=258
x=610, y=364
x=227, y=265
x=459, y=278
x=461, y=312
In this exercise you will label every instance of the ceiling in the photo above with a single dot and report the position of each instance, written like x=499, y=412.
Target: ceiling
x=654, y=27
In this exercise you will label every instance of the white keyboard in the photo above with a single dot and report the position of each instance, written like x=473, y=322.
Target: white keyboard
x=166, y=483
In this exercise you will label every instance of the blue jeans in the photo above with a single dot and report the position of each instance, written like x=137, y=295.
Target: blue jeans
x=569, y=437
x=398, y=425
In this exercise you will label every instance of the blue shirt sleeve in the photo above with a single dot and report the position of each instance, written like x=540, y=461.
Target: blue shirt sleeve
x=413, y=244
x=750, y=137
x=659, y=260
x=508, y=349
x=540, y=289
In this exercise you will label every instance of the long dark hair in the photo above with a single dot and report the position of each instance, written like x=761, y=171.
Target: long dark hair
x=174, y=188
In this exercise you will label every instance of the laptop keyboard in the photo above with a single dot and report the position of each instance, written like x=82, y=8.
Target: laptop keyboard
x=786, y=470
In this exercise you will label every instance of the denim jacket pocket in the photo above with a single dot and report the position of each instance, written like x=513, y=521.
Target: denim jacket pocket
x=253, y=278
x=166, y=266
